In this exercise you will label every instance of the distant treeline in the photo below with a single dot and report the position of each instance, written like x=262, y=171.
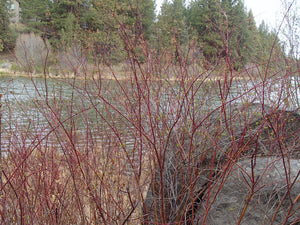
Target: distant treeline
x=218, y=30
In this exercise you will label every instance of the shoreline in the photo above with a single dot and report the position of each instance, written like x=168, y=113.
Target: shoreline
x=110, y=76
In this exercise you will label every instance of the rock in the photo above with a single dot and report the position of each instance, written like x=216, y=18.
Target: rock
x=271, y=195
x=277, y=133
x=192, y=163
x=6, y=65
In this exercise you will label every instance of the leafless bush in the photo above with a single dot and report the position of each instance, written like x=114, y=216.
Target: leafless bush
x=32, y=52
x=155, y=148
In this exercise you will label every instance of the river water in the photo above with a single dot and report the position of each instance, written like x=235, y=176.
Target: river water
x=55, y=111
x=35, y=110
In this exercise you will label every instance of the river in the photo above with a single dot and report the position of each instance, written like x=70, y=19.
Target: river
x=52, y=111
x=57, y=111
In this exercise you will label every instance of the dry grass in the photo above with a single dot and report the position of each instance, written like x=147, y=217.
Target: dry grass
x=51, y=187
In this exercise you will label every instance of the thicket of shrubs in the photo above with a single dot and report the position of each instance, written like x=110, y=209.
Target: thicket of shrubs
x=154, y=148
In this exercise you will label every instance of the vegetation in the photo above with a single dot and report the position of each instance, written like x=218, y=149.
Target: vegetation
x=221, y=30
x=32, y=52
x=6, y=37
x=203, y=89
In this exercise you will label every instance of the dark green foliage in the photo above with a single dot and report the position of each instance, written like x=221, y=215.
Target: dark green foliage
x=172, y=19
x=221, y=30
x=226, y=31
x=268, y=44
x=114, y=19
x=89, y=23
x=252, y=37
x=237, y=31
x=205, y=18
x=6, y=36
x=147, y=16
x=36, y=14
x=171, y=29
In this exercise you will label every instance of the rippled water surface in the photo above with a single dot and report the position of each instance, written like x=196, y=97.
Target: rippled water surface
x=36, y=110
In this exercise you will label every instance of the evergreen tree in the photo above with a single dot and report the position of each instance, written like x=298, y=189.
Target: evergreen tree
x=4, y=21
x=252, y=37
x=268, y=43
x=172, y=29
x=236, y=31
x=224, y=29
x=67, y=22
x=102, y=24
x=205, y=18
x=6, y=36
x=172, y=15
x=36, y=14
x=146, y=13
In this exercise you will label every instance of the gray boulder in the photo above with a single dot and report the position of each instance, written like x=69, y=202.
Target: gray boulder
x=266, y=190
x=193, y=163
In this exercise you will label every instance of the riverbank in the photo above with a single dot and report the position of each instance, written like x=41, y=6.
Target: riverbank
x=124, y=71
x=119, y=72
